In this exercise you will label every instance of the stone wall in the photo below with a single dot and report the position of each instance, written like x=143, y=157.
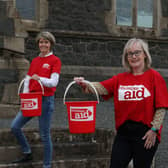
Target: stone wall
x=94, y=50
x=78, y=15
x=11, y=52
x=85, y=47
x=164, y=8
x=6, y=23
x=99, y=16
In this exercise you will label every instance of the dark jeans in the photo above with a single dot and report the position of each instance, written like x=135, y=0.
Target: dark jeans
x=128, y=144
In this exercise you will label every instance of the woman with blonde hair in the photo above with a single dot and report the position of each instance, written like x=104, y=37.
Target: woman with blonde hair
x=140, y=102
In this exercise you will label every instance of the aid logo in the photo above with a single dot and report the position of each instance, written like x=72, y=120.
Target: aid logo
x=46, y=66
x=81, y=113
x=29, y=104
x=133, y=92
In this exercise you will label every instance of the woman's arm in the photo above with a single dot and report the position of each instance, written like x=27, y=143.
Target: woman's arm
x=88, y=89
x=150, y=136
x=50, y=82
x=26, y=84
x=158, y=118
x=100, y=88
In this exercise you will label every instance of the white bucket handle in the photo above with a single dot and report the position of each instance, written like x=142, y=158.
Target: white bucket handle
x=85, y=81
x=20, y=85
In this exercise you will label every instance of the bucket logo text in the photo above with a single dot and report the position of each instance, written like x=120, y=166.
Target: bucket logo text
x=133, y=92
x=81, y=113
x=29, y=104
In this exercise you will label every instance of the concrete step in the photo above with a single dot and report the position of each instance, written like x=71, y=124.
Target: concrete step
x=80, y=162
x=66, y=147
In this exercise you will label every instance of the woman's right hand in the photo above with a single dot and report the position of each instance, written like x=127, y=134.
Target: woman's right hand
x=79, y=80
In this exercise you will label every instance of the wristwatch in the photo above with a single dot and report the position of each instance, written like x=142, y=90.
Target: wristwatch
x=154, y=130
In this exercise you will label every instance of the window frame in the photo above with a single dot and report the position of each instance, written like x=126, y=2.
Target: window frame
x=134, y=30
x=41, y=15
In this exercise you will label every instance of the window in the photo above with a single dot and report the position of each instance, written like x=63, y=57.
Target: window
x=124, y=12
x=145, y=13
x=26, y=9
x=138, y=13
x=33, y=13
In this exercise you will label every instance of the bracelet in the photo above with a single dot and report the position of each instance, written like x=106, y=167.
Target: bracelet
x=154, y=129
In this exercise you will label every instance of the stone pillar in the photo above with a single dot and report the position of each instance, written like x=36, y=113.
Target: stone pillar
x=13, y=65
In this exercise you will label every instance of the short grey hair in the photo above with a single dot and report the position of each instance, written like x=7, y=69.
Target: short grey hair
x=48, y=36
x=144, y=45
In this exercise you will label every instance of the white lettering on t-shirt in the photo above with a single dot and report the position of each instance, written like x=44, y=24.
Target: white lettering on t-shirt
x=47, y=66
x=132, y=92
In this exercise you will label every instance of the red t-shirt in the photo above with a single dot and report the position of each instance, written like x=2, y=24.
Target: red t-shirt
x=44, y=67
x=136, y=97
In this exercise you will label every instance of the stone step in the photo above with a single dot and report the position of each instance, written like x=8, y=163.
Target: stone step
x=77, y=162
x=59, y=135
x=8, y=110
x=60, y=150
x=104, y=116
x=65, y=145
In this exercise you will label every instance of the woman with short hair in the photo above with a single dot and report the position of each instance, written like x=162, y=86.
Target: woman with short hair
x=45, y=68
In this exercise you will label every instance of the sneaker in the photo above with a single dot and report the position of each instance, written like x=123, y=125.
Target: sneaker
x=24, y=158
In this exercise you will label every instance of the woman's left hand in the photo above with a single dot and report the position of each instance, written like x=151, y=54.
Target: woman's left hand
x=150, y=139
x=35, y=77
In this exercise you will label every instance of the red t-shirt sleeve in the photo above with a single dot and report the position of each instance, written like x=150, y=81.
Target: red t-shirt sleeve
x=109, y=84
x=56, y=66
x=161, y=93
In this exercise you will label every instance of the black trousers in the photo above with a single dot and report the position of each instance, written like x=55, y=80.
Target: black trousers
x=128, y=144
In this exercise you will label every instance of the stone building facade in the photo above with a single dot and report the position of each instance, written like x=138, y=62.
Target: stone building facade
x=88, y=42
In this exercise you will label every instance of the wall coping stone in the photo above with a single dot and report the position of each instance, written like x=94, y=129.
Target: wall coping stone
x=103, y=71
x=100, y=35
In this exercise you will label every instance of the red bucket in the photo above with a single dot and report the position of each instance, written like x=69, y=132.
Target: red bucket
x=81, y=114
x=31, y=103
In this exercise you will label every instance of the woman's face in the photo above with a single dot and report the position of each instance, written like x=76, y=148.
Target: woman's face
x=136, y=57
x=44, y=46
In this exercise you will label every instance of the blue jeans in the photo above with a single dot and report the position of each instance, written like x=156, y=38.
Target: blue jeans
x=44, y=129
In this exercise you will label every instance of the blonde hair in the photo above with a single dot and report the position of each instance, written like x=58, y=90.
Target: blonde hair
x=48, y=36
x=144, y=45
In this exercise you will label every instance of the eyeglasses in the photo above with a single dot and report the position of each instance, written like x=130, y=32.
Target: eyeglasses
x=136, y=53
